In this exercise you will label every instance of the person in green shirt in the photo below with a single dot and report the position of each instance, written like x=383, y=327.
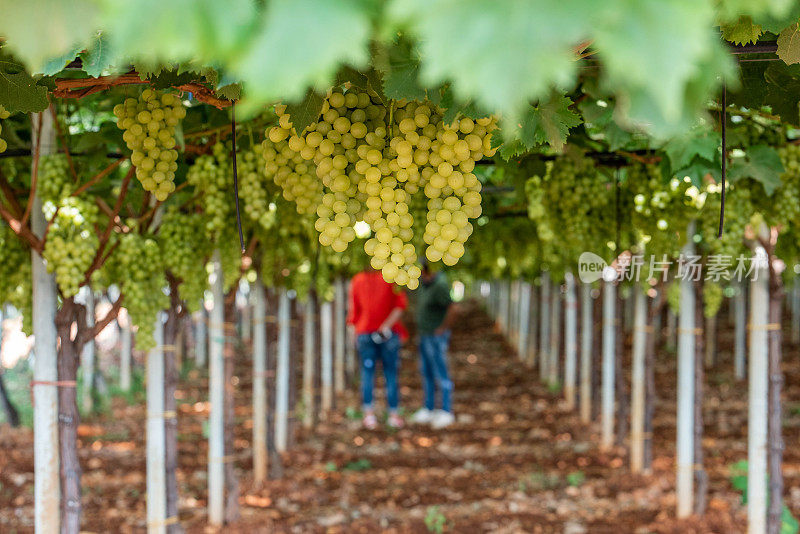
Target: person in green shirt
x=435, y=313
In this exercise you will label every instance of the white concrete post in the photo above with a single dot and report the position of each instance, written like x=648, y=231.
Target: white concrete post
x=259, y=383
x=156, y=444
x=216, y=396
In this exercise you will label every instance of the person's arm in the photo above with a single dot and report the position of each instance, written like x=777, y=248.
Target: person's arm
x=400, y=304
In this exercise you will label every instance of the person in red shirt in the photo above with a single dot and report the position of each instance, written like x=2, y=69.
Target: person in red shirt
x=375, y=310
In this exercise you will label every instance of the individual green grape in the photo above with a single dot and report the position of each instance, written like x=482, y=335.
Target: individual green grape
x=184, y=249
x=55, y=182
x=149, y=132
x=71, y=243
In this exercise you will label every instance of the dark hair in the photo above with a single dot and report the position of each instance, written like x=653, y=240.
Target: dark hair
x=424, y=265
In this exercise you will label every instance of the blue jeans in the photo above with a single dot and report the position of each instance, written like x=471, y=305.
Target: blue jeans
x=433, y=366
x=388, y=353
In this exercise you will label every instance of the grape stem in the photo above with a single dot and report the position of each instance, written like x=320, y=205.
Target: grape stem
x=98, y=257
x=82, y=87
x=97, y=177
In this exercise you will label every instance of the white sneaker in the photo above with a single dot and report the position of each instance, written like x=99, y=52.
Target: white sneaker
x=441, y=419
x=422, y=416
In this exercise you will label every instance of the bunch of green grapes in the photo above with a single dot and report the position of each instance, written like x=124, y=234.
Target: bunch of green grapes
x=4, y=114
x=15, y=274
x=661, y=211
x=674, y=296
x=137, y=264
x=573, y=202
x=149, y=131
x=231, y=258
x=211, y=174
x=294, y=175
x=55, y=182
x=346, y=144
x=184, y=248
x=786, y=211
x=255, y=188
x=739, y=208
x=712, y=298
x=439, y=159
x=71, y=243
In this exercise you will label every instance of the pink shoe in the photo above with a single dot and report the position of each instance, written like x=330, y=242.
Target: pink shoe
x=395, y=421
x=370, y=421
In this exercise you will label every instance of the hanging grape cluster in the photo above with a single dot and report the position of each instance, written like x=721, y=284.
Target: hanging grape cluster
x=294, y=175
x=138, y=266
x=372, y=160
x=149, y=131
x=4, y=114
x=212, y=175
x=55, y=182
x=184, y=248
x=15, y=274
x=254, y=186
x=71, y=243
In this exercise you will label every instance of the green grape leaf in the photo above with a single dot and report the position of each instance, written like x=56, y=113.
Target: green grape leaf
x=368, y=81
x=232, y=91
x=783, y=91
x=761, y=163
x=148, y=69
x=789, y=44
x=511, y=149
x=59, y=27
x=306, y=111
x=165, y=79
x=301, y=44
x=548, y=122
x=55, y=65
x=741, y=32
x=682, y=150
x=19, y=92
x=99, y=57
x=698, y=169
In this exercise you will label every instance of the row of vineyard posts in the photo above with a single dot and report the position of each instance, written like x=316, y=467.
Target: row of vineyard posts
x=573, y=333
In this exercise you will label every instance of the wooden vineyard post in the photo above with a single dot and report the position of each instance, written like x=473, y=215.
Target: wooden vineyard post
x=609, y=346
x=340, y=332
x=524, y=319
x=571, y=341
x=638, y=379
x=125, y=352
x=309, y=352
x=171, y=341
x=586, y=352
x=201, y=337
x=282, y=373
x=216, y=396
x=45, y=371
x=260, y=462
x=555, y=337
x=156, y=462
x=544, y=330
x=326, y=349
x=684, y=486
x=740, y=331
x=758, y=370
x=87, y=355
